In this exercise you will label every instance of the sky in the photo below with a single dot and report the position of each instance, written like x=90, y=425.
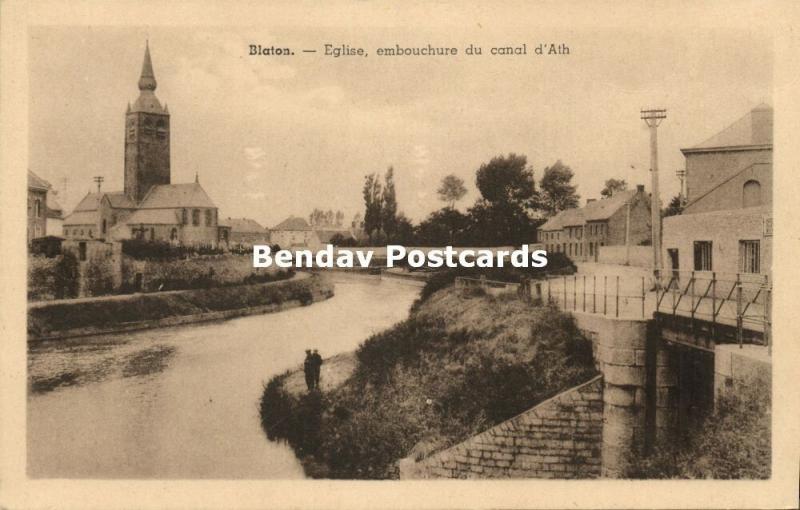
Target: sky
x=275, y=136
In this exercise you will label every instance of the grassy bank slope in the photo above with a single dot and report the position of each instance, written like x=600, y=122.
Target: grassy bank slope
x=139, y=308
x=458, y=365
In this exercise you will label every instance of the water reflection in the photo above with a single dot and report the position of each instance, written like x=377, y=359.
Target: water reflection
x=183, y=402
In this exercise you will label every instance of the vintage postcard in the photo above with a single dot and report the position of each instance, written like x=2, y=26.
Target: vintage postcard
x=425, y=255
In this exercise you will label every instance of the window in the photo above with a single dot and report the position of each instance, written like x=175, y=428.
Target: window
x=37, y=208
x=173, y=234
x=82, y=251
x=750, y=256
x=195, y=217
x=184, y=217
x=103, y=229
x=209, y=217
x=751, y=194
x=161, y=129
x=702, y=256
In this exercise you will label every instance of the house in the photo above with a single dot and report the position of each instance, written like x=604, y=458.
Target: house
x=44, y=212
x=150, y=207
x=726, y=224
x=582, y=233
x=246, y=232
x=294, y=232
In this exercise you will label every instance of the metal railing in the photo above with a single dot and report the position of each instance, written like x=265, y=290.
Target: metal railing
x=599, y=294
x=742, y=300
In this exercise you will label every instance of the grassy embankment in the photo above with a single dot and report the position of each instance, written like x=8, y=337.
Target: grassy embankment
x=120, y=311
x=461, y=362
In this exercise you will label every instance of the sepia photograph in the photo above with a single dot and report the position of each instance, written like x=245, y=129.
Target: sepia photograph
x=483, y=250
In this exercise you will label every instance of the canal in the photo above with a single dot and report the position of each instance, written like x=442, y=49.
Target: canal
x=183, y=402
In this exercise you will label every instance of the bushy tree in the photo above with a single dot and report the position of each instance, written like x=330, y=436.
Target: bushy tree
x=612, y=186
x=441, y=226
x=451, y=190
x=557, y=191
x=675, y=207
x=507, y=180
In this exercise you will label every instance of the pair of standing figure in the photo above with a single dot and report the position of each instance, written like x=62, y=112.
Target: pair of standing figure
x=311, y=368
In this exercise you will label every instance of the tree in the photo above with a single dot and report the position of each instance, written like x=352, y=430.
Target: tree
x=373, y=205
x=612, y=186
x=557, y=192
x=389, y=206
x=507, y=180
x=675, y=207
x=446, y=224
x=451, y=190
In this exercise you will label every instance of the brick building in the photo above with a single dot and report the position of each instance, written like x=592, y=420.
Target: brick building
x=580, y=233
x=726, y=224
x=44, y=212
x=150, y=207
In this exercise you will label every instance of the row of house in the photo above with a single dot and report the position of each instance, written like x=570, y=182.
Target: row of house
x=623, y=219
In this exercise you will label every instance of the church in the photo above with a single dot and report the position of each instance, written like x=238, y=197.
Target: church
x=150, y=207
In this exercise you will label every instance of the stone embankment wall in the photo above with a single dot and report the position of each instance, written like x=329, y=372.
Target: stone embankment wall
x=559, y=438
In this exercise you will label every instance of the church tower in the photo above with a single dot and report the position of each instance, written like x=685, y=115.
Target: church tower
x=146, y=138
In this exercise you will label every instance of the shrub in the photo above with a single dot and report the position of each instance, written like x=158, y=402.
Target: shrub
x=733, y=442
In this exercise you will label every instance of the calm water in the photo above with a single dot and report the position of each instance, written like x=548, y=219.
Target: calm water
x=183, y=402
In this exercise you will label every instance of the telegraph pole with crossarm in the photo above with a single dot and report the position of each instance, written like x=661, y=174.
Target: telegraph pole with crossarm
x=653, y=118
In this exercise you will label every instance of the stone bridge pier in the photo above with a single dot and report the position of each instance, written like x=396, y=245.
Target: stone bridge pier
x=639, y=387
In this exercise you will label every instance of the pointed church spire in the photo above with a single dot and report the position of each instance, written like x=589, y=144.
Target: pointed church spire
x=147, y=81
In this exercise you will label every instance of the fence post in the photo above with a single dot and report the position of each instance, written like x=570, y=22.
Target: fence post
x=691, y=303
x=565, y=293
x=575, y=292
x=767, y=320
x=643, y=297
x=617, y=306
x=713, y=304
x=605, y=294
x=549, y=297
x=584, y=293
x=594, y=293
x=739, y=310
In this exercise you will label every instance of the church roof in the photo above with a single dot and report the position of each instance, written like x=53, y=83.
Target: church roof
x=167, y=196
x=117, y=199
x=147, y=101
x=245, y=225
x=154, y=217
x=754, y=128
x=293, y=223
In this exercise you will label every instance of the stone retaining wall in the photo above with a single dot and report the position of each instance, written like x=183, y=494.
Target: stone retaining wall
x=559, y=438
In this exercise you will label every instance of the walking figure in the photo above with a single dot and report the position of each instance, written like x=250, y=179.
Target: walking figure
x=317, y=364
x=308, y=369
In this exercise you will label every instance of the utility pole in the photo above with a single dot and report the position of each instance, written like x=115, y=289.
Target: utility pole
x=98, y=179
x=681, y=173
x=653, y=118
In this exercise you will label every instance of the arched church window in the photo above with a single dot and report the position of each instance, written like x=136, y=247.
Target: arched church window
x=161, y=129
x=751, y=194
x=208, y=217
x=195, y=217
x=104, y=227
x=149, y=129
x=185, y=217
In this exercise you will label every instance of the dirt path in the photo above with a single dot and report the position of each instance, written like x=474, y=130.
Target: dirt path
x=335, y=370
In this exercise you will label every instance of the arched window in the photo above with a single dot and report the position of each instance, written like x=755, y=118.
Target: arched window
x=161, y=129
x=149, y=129
x=104, y=226
x=185, y=217
x=751, y=194
x=196, y=217
x=208, y=217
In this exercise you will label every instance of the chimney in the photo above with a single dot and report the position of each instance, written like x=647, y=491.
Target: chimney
x=640, y=188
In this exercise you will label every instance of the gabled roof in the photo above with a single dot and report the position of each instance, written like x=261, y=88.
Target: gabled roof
x=36, y=182
x=88, y=203
x=605, y=208
x=245, y=225
x=754, y=128
x=117, y=199
x=168, y=196
x=293, y=223
x=596, y=210
x=154, y=217
x=81, y=218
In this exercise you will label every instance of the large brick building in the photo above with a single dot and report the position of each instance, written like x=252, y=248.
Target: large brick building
x=150, y=207
x=726, y=224
x=580, y=233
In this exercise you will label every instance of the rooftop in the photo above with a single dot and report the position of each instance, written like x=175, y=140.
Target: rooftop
x=754, y=128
